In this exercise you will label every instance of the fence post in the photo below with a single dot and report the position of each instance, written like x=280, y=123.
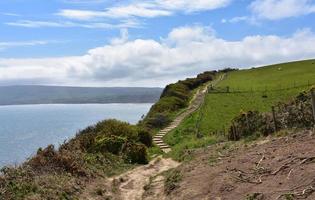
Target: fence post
x=274, y=118
x=313, y=101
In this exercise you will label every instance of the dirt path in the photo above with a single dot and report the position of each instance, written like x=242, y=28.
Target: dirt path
x=195, y=103
x=131, y=184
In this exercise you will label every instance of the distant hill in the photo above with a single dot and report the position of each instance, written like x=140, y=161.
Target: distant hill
x=18, y=95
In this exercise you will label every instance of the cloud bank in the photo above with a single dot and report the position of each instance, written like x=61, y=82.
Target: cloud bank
x=184, y=52
x=280, y=9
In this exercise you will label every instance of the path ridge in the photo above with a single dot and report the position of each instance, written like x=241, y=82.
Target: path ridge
x=194, y=105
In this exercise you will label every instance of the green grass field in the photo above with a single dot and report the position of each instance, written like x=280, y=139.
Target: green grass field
x=220, y=108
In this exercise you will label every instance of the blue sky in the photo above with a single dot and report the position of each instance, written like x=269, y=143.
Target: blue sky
x=151, y=43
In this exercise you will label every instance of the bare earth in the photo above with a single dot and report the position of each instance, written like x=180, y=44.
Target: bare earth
x=133, y=182
x=130, y=185
x=279, y=168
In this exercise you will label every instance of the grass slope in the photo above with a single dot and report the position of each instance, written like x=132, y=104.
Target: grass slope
x=219, y=109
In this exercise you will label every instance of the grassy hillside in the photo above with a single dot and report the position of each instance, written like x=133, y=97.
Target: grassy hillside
x=272, y=77
x=253, y=89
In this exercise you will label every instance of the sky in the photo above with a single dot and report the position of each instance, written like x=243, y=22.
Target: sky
x=147, y=43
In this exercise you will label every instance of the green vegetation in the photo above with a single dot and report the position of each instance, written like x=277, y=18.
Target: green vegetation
x=111, y=147
x=250, y=90
x=294, y=114
x=272, y=77
x=174, y=98
x=108, y=148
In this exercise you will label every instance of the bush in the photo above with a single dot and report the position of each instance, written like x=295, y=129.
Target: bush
x=145, y=137
x=293, y=114
x=176, y=90
x=175, y=97
x=49, y=159
x=113, y=127
x=158, y=121
x=136, y=153
x=16, y=183
x=112, y=144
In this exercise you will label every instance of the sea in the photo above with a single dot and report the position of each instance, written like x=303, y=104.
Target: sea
x=25, y=128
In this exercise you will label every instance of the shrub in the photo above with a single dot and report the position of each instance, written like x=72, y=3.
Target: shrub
x=112, y=144
x=16, y=183
x=113, y=127
x=294, y=114
x=175, y=97
x=136, y=153
x=176, y=90
x=145, y=137
x=49, y=159
x=158, y=121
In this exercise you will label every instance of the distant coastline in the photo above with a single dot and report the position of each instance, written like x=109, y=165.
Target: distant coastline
x=33, y=95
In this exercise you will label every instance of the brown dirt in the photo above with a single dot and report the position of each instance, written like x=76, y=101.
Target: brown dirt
x=130, y=185
x=274, y=168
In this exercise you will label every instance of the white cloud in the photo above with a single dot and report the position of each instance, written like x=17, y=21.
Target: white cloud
x=184, y=52
x=128, y=23
x=280, y=9
x=6, y=45
x=192, y=6
x=151, y=9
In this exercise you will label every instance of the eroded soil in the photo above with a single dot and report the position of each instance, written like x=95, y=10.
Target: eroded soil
x=274, y=168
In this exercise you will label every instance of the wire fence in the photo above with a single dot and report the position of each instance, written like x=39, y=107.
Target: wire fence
x=265, y=89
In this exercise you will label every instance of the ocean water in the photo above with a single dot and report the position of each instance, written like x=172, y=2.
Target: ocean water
x=23, y=129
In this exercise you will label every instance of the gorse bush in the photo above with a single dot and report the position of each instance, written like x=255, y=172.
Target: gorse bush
x=107, y=147
x=112, y=144
x=158, y=121
x=117, y=128
x=145, y=137
x=49, y=159
x=174, y=98
x=136, y=153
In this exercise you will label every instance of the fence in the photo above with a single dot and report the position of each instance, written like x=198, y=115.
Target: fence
x=298, y=114
x=265, y=89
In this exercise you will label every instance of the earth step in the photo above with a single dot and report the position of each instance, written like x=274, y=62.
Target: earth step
x=163, y=146
x=159, y=143
x=158, y=137
x=166, y=150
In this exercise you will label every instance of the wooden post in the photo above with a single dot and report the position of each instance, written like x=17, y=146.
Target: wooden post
x=227, y=89
x=313, y=101
x=234, y=132
x=274, y=118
